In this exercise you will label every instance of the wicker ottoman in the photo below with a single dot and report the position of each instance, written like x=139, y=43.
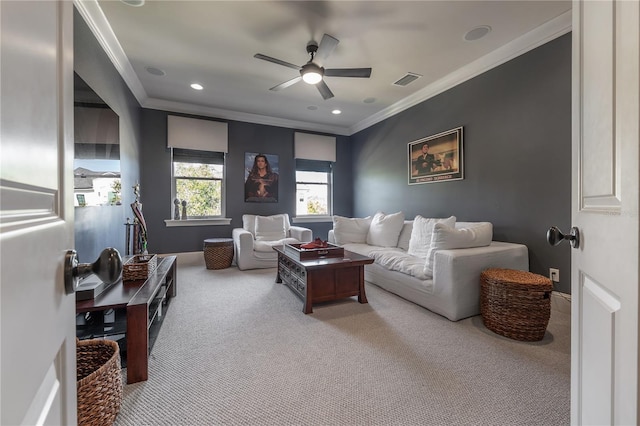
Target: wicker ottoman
x=515, y=304
x=218, y=252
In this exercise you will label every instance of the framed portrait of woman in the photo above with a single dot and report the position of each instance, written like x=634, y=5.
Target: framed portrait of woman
x=261, y=173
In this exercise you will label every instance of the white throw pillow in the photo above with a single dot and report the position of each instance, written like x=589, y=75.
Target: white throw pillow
x=420, y=240
x=384, y=230
x=270, y=228
x=348, y=230
x=405, y=235
x=445, y=237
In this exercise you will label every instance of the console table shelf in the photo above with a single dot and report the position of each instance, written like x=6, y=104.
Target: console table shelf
x=134, y=309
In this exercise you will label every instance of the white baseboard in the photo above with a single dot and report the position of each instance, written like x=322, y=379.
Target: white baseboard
x=561, y=302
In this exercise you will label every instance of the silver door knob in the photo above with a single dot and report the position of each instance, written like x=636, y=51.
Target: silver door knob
x=108, y=267
x=555, y=236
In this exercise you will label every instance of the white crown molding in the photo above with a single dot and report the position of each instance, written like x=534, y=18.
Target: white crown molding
x=101, y=29
x=93, y=15
x=529, y=41
x=172, y=106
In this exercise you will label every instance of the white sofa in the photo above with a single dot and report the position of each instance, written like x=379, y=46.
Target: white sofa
x=436, y=265
x=254, y=242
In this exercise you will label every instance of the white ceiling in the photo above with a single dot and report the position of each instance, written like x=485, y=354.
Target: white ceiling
x=213, y=43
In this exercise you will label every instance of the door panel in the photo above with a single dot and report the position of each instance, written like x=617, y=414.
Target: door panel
x=605, y=186
x=37, y=317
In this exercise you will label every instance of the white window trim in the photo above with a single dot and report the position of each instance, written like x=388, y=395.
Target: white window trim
x=312, y=218
x=198, y=222
x=223, y=206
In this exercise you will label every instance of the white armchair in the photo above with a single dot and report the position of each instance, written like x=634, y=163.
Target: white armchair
x=254, y=242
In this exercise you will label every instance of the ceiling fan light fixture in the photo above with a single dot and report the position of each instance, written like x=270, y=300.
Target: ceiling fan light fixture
x=312, y=77
x=311, y=73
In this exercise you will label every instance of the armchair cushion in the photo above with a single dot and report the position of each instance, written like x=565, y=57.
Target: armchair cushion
x=267, y=246
x=270, y=228
x=249, y=222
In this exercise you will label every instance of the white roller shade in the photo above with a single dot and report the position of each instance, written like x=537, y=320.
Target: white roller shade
x=315, y=147
x=192, y=133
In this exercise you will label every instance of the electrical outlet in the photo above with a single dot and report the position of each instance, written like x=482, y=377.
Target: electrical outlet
x=554, y=275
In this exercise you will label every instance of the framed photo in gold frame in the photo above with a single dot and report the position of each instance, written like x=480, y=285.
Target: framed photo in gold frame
x=436, y=158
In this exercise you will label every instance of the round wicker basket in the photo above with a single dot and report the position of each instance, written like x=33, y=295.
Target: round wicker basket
x=218, y=253
x=515, y=304
x=99, y=381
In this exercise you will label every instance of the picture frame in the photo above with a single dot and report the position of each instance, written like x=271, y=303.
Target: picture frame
x=436, y=158
x=261, y=177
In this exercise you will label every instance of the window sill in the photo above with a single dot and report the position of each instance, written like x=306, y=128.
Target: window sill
x=312, y=219
x=198, y=222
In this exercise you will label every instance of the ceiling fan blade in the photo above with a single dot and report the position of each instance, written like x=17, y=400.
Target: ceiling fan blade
x=348, y=72
x=324, y=90
x=286, y=84
x=327, y=44
x=275, y=61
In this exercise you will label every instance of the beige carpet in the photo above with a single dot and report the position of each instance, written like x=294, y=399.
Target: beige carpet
x=236, y=349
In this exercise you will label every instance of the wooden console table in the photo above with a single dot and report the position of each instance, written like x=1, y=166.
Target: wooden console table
x=143, y=302
x=323, y=279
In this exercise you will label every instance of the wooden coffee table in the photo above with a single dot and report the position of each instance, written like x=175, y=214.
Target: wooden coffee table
x=323, y=279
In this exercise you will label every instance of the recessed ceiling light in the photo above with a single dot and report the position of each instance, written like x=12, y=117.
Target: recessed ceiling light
x=336, y=112
x=477, y=33
x=155, y=71
x=134, y=3
x=312, y=107
x=369, y=100
x=197, y=86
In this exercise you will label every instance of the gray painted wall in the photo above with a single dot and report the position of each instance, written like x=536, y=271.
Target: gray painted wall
x=243, y=137
x=104, y=227
x=517, y=155
x=517, y=134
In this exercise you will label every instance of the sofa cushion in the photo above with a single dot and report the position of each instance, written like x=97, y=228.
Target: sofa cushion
x=270, y=228
x=445, y=237
x=420, y=240
x=397, y=260
x=405, y=235
x=384, y=230
x=348, y=230
x=365, y=249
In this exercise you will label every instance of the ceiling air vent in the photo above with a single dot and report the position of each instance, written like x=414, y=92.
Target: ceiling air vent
x=408, y=78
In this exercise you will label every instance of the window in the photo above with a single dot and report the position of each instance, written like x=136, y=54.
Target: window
x=313, y=188
x=198, y=179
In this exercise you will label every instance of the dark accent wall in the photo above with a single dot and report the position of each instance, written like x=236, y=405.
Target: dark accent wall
x=243, y=137
x=104, y=227
x=517, y=143
x=517, y=155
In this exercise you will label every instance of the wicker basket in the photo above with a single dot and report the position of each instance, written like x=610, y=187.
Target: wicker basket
x=515, y=304
x=139, y=267
x=218, y=253
x=99, y=381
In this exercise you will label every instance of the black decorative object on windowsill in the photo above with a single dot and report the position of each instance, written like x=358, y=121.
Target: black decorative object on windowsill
x=184, y=209
x=176, y=209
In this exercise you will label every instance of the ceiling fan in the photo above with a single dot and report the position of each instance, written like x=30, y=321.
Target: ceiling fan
x=313, y=72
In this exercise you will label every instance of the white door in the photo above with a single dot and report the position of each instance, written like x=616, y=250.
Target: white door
x=38, y=359
x=604, y=269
